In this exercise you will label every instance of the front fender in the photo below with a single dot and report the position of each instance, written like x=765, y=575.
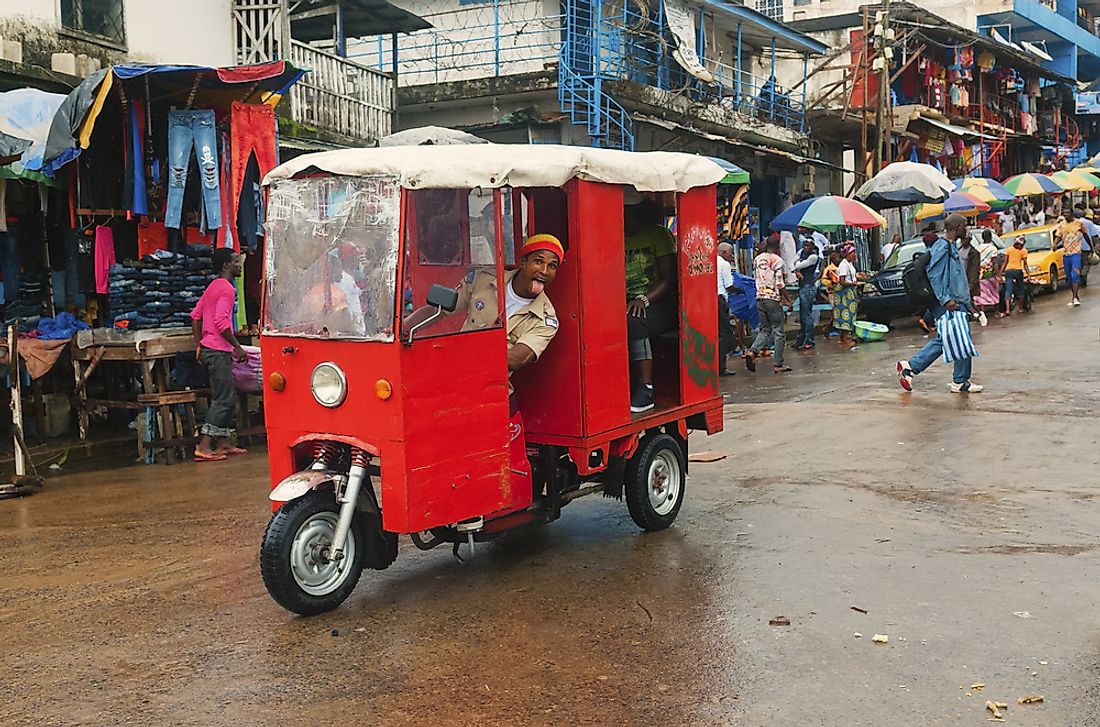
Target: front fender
x=299, y=484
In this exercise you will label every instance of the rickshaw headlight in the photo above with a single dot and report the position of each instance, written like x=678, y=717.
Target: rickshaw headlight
x=329, y=385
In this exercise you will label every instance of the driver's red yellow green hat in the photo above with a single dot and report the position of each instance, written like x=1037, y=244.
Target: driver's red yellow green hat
x=543, y=241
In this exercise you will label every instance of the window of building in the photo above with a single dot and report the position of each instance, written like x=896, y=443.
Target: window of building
x=772, y=8
x=802, y=2
x=98, y=19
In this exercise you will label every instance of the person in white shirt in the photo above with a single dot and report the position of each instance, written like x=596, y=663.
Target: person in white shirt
x=889, y=247
x=1039, y=218
x=806, y=271
x=725, y=286
x=1008, y=222
x=821, y=242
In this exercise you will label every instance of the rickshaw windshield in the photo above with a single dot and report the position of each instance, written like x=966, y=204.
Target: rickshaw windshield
x=332, y=257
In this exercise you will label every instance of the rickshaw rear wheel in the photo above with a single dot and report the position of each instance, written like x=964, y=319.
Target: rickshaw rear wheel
x=293, y=561
x=655, y=479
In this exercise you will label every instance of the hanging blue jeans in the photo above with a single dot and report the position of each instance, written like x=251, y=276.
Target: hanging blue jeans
x=187, y=130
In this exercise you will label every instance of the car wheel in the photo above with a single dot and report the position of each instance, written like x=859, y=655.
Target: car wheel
x=1052, y=286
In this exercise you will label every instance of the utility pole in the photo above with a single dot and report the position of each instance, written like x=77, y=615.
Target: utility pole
x=883, y=36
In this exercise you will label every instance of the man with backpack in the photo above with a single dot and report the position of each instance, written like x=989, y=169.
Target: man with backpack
x=950, y=293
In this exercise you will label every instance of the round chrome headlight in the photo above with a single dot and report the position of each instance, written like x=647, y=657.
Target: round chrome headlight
x=329, y=385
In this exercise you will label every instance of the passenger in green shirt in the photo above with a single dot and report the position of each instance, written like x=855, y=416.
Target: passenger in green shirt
x=650, y=293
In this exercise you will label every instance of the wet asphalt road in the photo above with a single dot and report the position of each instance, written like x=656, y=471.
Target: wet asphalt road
x=967, y=528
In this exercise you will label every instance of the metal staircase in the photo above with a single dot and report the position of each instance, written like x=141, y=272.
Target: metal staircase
x=589, y=41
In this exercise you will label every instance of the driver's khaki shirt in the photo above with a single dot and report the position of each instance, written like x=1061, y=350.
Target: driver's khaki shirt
x=533, y=325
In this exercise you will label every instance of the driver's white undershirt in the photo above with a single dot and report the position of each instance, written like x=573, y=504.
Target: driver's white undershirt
x=514, y=302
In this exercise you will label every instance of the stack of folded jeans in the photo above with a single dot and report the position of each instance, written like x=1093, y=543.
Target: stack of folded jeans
x=29, y=306
x=160, y=290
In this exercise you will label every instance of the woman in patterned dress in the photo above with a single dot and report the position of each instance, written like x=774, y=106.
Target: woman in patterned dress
x=846, y=297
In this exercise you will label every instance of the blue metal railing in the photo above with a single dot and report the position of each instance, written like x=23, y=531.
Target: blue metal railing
x=590, y=43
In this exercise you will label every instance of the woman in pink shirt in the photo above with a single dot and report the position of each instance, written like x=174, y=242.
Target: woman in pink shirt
x=216, y=348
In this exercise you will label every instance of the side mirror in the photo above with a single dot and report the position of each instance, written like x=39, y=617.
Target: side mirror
x=440, y=296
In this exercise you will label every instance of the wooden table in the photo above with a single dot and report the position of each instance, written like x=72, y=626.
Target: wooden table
x=153, y=356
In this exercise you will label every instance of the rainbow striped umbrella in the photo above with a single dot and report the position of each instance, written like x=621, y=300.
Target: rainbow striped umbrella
x=1030, y=185
x=828, y=213
x=961, y=203
x=1077, y=181
x=989, y=191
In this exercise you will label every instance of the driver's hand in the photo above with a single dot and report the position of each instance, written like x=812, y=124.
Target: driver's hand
x=636, y=309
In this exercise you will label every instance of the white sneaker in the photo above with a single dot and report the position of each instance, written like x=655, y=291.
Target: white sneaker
x=1076, y=301
x=967, y=387
x=982, y=319
x=1071, y=303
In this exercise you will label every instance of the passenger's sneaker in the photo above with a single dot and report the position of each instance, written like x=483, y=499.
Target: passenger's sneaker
x=905, y=375
x=641, y=400
x=967, y=387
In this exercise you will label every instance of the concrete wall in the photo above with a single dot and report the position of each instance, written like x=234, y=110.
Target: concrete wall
x=157, y=31
x=469, y=40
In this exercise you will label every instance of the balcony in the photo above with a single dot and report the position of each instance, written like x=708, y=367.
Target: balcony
x=517, y=38
x=340, y=97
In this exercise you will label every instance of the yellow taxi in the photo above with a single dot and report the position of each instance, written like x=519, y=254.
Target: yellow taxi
x=1044, y=255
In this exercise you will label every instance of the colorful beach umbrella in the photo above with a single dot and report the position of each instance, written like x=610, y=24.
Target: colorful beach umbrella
x=1090, y=168
x=961, y=203
x=903, y=183
x=1030, y=185
x=828, y=213
x=1076, y=181
x=990, y=191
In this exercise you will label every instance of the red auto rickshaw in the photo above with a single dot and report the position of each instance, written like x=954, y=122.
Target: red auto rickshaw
x=377, y=428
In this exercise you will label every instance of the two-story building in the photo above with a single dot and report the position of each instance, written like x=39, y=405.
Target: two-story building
x=686, y=75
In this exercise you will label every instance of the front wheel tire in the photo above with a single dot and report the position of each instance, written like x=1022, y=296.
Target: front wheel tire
x=1053, y=286
x=293, y=556
x=655, y=482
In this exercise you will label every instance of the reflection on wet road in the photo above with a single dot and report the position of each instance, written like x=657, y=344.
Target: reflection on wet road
x=967, y=529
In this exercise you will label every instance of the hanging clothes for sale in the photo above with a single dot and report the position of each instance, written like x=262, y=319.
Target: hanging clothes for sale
x=187, y=131
x=104, y=256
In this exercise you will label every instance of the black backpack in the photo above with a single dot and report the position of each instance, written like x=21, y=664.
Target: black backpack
x=918, y=288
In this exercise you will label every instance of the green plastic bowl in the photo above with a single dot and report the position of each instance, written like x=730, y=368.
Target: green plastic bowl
x=868, y=331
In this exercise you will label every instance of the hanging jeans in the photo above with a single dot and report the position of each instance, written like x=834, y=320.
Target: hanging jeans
x=187, y=130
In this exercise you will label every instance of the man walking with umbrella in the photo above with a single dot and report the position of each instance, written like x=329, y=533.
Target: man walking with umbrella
x=947, y=277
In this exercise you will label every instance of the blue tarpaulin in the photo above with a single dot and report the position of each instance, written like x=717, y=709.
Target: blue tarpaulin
x=25, y=115
x=743, y=305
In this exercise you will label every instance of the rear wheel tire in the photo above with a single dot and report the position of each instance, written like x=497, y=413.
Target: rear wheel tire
x=655, y=480
x=295, y=571
x=1053, y=285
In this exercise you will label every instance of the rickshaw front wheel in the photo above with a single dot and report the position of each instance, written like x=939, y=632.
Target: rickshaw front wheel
x=294, y=560
x=655, y=482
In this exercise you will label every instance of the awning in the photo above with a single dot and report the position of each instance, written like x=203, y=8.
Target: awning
x=314, y=19
x=734, y=173
x=789, y=156
x=956, y=130
x=204, y=86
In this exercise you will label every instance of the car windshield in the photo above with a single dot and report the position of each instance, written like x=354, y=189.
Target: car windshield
x=1037, y=241
x=904, y=254
x=331, y=257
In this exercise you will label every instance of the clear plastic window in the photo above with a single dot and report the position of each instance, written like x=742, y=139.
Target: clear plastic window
x=331, y=267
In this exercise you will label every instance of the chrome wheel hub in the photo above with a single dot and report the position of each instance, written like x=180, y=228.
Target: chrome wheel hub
x=310, y=563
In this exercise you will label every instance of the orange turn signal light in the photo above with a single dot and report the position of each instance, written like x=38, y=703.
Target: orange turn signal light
x=383, y=388
x=277, y=381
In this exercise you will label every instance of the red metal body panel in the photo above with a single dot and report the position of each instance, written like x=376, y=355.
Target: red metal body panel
x=457, y=464
x=697, y=245
x=294, y=413
x=581, y=384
